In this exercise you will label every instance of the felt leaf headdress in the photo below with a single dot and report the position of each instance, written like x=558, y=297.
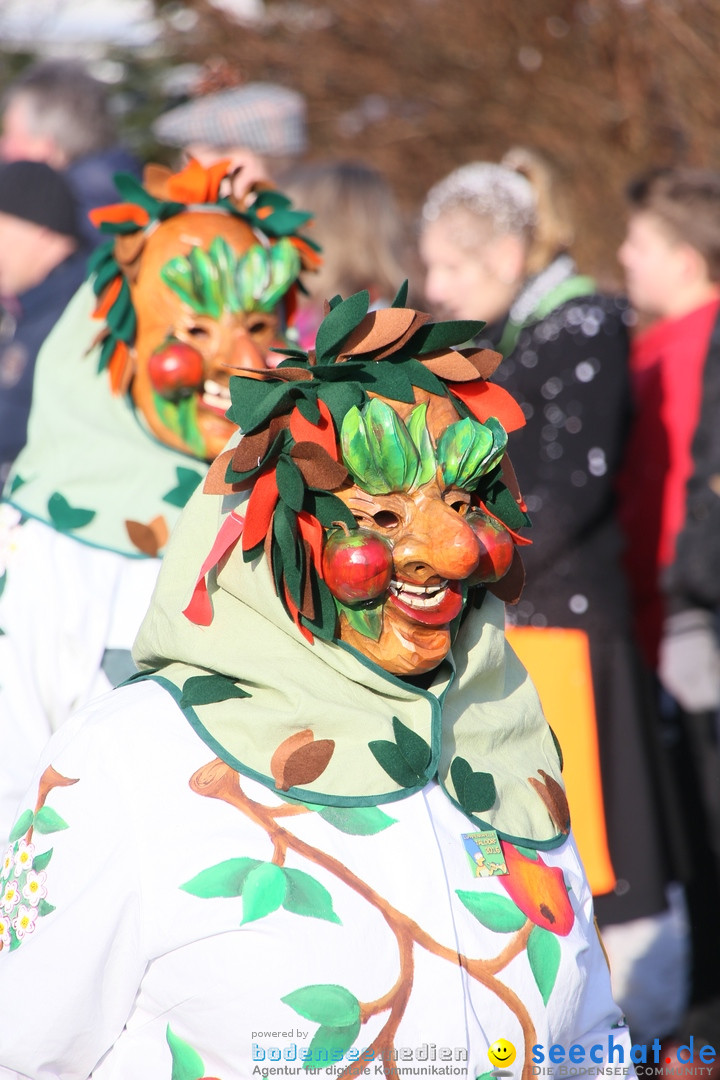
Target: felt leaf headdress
x=318, y=421
x=268, y=274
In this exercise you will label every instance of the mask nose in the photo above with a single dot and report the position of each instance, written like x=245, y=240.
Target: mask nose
x=245, y=354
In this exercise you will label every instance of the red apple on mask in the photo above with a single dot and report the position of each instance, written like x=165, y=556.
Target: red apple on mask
x=176, y=370
x=357, y=565
x=497, y=547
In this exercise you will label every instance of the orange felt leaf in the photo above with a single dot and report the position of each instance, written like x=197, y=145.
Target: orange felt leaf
x=195, y=184
x=521, y=540
x=485, y=399
x=322, y=433
x=119, y=212
x=108, y=298
x=120, y=368
x=312, y=531
x=260, y=509
x=311, y=259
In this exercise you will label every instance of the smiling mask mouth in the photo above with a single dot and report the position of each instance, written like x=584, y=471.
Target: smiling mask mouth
x=216, y=397
x=420, y=597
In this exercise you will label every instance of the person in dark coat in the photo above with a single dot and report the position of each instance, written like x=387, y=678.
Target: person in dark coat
x=56, y=112
x=491, y=252
x=42, y=264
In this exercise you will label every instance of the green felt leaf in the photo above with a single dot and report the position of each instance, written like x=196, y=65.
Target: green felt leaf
x=254, y=401
x=291, y=485
x=44, y=908
x=558, y=748
x=388, y=756
x=501, y=502
x=401, y=295
x=48, y=820
x=340, y=322
x=224, y=879
x=443, y=335
x=391, y=380
x=497, y=913
x=325, y=1003
x=543, y=952
x=308, y=409
x=357, y=820
x=132, y=191
x=412, y=746
x=328, y=508
x=330, y=1044
x=65, y=517
x=263, y=892
x=324, y=623
x=21, y=826
x=306, y=896
x=368, y=621
x=339, y=398
x=422, y=377
x=17, y=482
x=40, y=861
x=186, y=1062
x=188, y=480
x=205, y=689
x=475, y=790
x=292, y=552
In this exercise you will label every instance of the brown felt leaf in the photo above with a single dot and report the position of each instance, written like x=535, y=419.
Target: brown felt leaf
x=148, y=538
x=252, y=448
x=300, y=759
x=510, y=481
x=554, y=798
x=318, y=469
x=485, y=361
x=155, y=179
x=509, y=588
x=127, y=250
x=377, y=330
x=419, y=319
x=215, y=482
x=288, y=374
x=450, y=365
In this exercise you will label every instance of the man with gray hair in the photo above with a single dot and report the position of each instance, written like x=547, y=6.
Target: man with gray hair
x=56, y=112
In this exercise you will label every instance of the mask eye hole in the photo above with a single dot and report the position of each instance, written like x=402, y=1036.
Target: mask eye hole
x=198, y=332
x=457, y=500
x=386, y=519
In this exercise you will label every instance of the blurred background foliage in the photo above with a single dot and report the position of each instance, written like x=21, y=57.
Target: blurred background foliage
x=606, y=88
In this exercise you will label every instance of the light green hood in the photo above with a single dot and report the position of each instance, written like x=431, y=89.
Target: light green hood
x=315, y=720
x=89, y=465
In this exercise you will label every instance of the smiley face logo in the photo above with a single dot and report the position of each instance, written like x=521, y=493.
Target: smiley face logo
x=501, y=1053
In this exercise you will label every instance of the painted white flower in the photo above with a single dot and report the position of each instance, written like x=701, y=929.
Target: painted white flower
x=24, y=922
x=11, y=896
x=7, y=863
x=4, y=931
x=34, y=889
x=24, y=855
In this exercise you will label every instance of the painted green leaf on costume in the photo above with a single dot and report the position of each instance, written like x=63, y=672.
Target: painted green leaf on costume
x=529, y=853
x=368, y=621
x=44, y=908
x=21, y=826
x=407, y=759
x=325, y=1003
x=48, y=820
x=341, y=321
x=543, y=951
x=497, y=913
x=186, y=1062
x=40, y=861
x=187, y=481
x=291, y=486
x=65, y=517
x=205, y=689
x=356, y=820
x=486, y=1076
x=224, y=879
x=17, y=481
x=306, y=896
x=443, y=335
x=475, y=790
x=263, y=892
x=3, y=581
x=14, y=940
x=330, y=1044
